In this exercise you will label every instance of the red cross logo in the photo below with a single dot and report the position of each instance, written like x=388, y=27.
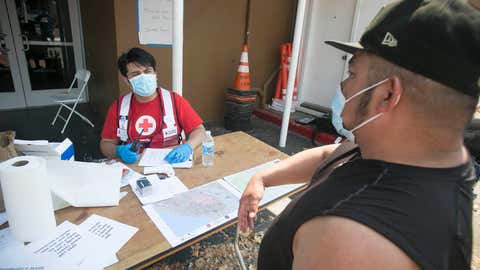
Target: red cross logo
x=147, y=124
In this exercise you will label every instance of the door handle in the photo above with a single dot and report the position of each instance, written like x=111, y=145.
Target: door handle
x=3, y=44
x=26, y=43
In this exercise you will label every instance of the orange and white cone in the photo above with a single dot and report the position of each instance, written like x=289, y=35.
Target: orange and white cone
x=289, y=60
x=242, y=80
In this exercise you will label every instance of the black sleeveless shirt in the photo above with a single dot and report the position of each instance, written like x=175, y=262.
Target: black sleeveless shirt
x=426, y=212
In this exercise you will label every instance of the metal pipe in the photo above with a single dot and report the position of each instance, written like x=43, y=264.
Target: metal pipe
x=237, y=251
x=297, y=38
x=247, y=23
x=177, y=48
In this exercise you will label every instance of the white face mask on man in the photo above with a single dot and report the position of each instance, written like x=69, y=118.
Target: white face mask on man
x=144, y=85
x=338, y=105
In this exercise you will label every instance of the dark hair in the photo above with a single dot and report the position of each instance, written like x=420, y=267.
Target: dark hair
x=138, y=56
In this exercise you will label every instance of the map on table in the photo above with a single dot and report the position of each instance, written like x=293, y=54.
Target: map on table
x=240, y=180
x=189, y=214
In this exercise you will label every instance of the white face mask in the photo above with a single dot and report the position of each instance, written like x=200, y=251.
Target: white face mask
x=144, y=84
x=338, y=105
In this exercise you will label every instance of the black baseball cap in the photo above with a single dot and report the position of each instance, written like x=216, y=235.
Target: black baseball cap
x=439, y=39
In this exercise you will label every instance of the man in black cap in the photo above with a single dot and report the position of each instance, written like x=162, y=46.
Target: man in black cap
x=401, y=197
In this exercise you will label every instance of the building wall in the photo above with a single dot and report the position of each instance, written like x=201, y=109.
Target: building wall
x=98, y=24
x=213, y=37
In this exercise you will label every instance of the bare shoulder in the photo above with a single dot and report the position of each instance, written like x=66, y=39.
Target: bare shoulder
x=340, y=243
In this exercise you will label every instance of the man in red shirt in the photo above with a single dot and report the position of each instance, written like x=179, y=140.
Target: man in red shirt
x=152, y=114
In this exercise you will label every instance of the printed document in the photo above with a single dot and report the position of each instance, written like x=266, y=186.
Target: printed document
x=111, y=234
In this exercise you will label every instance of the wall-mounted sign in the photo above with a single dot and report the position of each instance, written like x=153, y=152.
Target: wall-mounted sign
x=155, y=22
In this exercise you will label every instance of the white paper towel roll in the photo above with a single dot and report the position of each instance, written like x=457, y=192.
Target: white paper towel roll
x=26, y=192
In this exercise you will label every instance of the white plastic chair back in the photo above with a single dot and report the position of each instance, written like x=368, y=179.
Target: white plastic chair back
x=82, y=75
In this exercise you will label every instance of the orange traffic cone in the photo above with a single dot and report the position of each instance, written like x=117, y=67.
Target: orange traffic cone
x=289, y=59
x=242, y=81
x=278, y=88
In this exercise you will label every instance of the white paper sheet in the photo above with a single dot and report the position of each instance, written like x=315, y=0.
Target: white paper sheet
x=163, y=169
x=69, y=244
x=91, y=246
x=156, y=157
x=83, y=184
x=111, y=234
x=190, y=214
x=127, y=173
x=7, y=241
x=14, y=255
x=111, y=260
x=22, y=260
x=3, y=218
x=161, y=189
x=155, y=22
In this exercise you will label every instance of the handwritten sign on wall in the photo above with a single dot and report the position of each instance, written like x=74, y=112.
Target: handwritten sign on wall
x=155, y=22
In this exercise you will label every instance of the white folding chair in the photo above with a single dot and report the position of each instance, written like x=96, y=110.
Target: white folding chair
x=81, y=76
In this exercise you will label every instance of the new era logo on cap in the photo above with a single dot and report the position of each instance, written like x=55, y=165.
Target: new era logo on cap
x=389, y=40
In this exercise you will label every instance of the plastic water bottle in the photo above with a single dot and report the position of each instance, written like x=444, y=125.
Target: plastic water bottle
x=208, y=149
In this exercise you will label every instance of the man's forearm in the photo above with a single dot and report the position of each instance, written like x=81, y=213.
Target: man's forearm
x=298, y=168
x=195, y=137
x=108, y=148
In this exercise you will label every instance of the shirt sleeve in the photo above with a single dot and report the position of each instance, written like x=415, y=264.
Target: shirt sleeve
x=186, y=115
x=110, y=126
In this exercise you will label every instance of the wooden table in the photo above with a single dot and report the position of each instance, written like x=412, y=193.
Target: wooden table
x=234, y=152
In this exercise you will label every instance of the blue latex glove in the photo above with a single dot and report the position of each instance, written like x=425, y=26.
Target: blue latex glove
x=179, y=154
x=124, y=152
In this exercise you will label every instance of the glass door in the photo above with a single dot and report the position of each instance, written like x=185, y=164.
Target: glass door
x=11, y=89
x=48, y=46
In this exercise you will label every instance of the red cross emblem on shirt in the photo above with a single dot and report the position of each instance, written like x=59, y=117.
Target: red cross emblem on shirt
x=145, y=125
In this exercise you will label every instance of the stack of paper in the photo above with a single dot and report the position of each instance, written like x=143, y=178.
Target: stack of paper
x=161, y=188
x=156, y=157
x=91, y=245
x=61, y=151
x=279, y=105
